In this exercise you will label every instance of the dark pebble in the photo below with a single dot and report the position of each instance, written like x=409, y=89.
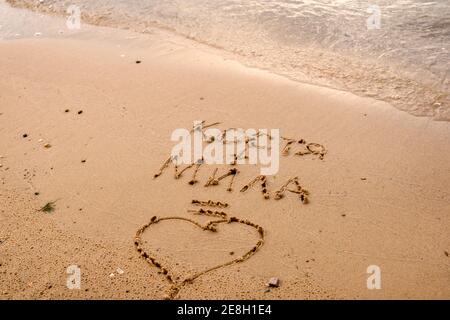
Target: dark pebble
x=25, y=135
x=80, y=112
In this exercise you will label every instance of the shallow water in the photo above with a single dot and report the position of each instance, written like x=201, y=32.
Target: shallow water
x=404, y=59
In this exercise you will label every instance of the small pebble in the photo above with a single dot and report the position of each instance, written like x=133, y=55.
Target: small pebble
x=40, y=140
x=1, y=165
x=138, y=61
x=273, y=282
x=120, y=271
x=83, y=161
x=66, y=111
x=47, y=145
x=25, y=135
x=36, y=193
x=363, y=179
x=80, y=112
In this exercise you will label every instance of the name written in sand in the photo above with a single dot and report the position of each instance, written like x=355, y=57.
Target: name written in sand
x=292, y=185
x=231, y=171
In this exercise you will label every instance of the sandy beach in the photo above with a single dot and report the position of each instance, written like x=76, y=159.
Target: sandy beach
x=85, y=128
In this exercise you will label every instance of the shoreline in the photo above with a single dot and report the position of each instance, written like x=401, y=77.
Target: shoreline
x=385, y=81
x=380, y=195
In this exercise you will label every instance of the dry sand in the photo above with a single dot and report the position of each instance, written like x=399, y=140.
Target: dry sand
x=379, y=197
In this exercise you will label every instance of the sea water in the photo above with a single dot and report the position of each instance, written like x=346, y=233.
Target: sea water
x=396, y=51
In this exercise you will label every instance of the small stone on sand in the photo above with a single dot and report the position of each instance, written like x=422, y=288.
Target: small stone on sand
x=25, y=135
x=273, y=282
x=47, y=145
x=80, y=112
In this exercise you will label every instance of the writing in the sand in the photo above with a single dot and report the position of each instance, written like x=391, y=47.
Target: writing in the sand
x=247, y=145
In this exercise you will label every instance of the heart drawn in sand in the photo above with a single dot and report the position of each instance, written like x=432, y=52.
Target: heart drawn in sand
x=210, y=226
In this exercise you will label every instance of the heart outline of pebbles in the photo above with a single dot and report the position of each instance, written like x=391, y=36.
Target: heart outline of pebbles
x=211, y=225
